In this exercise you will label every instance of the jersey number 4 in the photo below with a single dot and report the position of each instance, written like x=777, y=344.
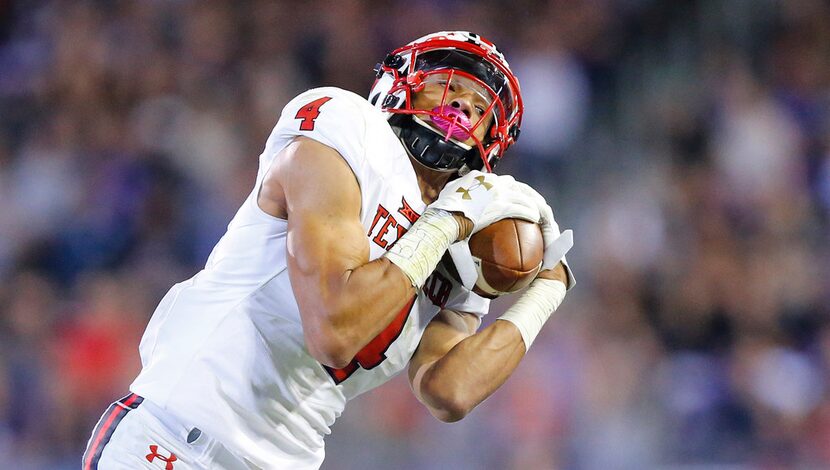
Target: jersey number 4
x=374, y=353
x=310, y=112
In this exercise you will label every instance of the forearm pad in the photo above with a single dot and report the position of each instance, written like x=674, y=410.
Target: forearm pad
x=418, y=252
x=534, y=307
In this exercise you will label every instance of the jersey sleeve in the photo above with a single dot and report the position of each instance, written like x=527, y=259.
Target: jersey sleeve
x=329, y=116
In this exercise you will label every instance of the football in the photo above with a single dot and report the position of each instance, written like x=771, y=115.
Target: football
x=508, y=255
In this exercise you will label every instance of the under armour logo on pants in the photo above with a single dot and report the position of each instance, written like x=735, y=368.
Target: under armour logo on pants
x=154, y=449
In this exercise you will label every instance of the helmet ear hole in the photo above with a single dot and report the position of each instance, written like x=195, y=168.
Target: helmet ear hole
x=390, y=101
x=393, y=61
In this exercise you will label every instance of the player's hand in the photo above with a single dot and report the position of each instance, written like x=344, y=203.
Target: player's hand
x=485, y=198
x=546, y=292
x=557, y=244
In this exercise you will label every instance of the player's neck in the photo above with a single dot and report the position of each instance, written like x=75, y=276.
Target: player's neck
x=430, y=181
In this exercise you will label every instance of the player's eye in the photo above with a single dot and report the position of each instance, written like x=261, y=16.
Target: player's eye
x=480, y=110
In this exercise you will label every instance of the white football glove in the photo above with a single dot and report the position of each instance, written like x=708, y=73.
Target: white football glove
x=485, y=198
x=557, y=244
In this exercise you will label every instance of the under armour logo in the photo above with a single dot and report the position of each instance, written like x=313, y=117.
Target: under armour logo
x=481, y=182
x=154, y=449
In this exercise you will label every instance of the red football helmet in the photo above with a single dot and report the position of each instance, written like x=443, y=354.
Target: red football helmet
x=437, y=137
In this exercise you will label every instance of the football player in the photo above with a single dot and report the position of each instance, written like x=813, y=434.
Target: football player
x=327, y=282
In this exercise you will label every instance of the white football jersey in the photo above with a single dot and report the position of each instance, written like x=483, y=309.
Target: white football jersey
x=224, y=350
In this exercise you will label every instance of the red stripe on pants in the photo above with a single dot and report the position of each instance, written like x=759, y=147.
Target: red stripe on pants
x=108, y=422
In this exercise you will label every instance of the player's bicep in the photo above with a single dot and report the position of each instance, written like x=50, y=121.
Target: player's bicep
x=322, y=199
x=446, y=330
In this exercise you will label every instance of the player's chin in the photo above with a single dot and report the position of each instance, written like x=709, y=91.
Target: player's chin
x=468, y=143
x=471, y=142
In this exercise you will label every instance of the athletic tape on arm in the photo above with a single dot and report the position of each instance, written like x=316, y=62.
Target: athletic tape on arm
x=534, y=307
x=418, y=252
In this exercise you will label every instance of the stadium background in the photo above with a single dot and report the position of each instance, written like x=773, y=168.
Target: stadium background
x=686, y=142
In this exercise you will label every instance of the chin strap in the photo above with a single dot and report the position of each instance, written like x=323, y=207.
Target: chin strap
x=430, y=148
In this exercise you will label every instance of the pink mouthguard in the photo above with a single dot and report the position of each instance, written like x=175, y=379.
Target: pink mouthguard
x=450, y=121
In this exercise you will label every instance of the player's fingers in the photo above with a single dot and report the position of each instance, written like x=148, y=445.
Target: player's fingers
x=546, y=213
x=532, y=212
x=532, y=194
x=519, y=208
x=528, y=190
x=506, y=179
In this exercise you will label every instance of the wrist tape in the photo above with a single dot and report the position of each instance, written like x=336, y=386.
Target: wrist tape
x=534, y=307
x=418, y=252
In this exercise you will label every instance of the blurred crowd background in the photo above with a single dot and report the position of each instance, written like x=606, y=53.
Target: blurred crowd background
x=687, y=143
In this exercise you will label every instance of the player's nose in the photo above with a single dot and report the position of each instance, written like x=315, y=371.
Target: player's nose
x=463, y=104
